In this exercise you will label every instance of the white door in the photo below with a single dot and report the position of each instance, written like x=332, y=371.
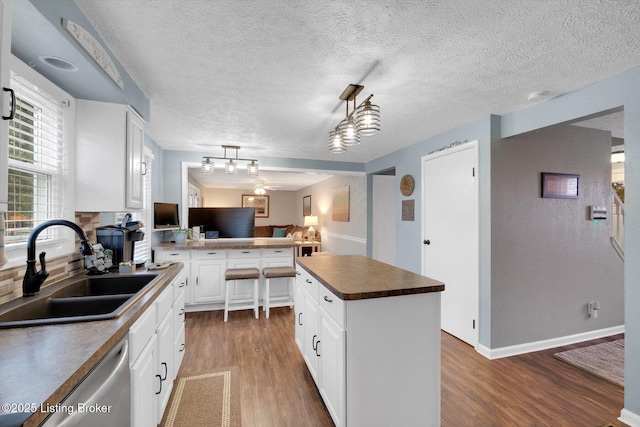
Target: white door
x=384, y=219
x=450, y=236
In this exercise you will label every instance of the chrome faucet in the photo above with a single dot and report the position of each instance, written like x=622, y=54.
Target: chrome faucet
x=32, y=279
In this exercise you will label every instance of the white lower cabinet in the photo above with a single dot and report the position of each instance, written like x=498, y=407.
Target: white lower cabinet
x=207, y=284
x=298, y=297
x=323, y=342
x=157, y=347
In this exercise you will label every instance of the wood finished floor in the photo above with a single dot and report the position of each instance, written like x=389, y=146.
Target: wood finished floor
x=277, y=390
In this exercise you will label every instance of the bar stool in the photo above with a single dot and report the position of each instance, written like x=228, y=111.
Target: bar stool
x=274, y=273
x=235, y=274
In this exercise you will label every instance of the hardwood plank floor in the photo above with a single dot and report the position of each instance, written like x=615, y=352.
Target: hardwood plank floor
x=277, y=390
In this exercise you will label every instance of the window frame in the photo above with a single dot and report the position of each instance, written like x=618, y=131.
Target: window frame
x=64, y=241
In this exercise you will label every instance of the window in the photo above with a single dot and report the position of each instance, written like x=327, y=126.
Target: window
x=36, y=161
x=41, y=148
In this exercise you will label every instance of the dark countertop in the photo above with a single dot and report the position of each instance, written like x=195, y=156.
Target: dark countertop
x=42, y=364
x=354, y=277
x=257, y=243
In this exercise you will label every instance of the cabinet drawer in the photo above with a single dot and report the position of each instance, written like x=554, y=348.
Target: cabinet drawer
x=209, y=254
x=163, y=303
x=244, y=253
x=277, y=252
x=141, y=332
x=179, y=285
x=333, y=305
x=172, y=255
x=178, y=315
x=308, y=282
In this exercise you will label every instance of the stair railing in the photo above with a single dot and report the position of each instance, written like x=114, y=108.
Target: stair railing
x=617, y=224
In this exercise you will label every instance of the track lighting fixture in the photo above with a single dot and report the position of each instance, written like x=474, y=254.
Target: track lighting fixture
x=231, y=165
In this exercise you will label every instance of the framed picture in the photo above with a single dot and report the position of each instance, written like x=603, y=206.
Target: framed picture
x=260, y=203
x=340, y=209
x=306, y=205
x=560, y=185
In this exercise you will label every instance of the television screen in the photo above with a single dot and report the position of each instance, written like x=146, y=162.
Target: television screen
x=228, y=222
x=165, y=215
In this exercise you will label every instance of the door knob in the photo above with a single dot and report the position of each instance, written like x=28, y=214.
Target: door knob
x=426, y=242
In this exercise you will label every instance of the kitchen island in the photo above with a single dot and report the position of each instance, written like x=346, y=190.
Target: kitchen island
x=206, y=260
x=370, y=336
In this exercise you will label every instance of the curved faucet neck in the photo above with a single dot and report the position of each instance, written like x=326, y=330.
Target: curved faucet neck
x=31, y=243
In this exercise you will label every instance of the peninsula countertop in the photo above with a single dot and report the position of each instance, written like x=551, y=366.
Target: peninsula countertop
x=40, y=365
x=208, y=244
x=354, y=277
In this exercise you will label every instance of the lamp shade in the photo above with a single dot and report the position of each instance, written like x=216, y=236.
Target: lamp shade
x=252, y=168
x=368, y=119
x=207, y=166
x=335, y=142
x=231, y=167
x=310, y=221
x=349, y=132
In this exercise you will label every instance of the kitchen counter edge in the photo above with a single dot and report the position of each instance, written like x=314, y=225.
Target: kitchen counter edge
x=120, y=327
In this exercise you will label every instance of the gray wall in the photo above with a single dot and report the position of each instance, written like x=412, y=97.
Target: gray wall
x=548, y=259
x=619, y=91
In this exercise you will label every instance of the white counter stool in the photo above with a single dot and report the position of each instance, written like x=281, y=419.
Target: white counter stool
x=233, y=275
x=275, y=273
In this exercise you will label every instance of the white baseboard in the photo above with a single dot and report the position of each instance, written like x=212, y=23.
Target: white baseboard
x=629, y=418
x=514, y=350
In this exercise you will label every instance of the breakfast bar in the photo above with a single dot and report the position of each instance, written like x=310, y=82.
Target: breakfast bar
x=389, y=373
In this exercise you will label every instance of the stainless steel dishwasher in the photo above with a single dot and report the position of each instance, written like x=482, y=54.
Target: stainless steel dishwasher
x=103, y=397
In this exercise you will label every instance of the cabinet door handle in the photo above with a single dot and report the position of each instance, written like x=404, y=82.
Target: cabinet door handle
x=212, y=253
x=160, y=382
x=182, y=285
x=174, y=254
x=182, y=348
x=144, y=168
x=300, y=318
x=12, y=113
x=317, y=348
x=197, y=280
x=181, y=312
x=314, y=344
x=278, y=252
x=246, y=252
x=327, y=299
x=186, y=281
x=307, y=280
x=166, y=371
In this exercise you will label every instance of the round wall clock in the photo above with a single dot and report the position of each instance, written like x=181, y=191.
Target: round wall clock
x=406, y=185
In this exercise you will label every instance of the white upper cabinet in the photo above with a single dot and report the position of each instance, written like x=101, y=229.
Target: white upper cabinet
x=5, y=58
x=109, y=163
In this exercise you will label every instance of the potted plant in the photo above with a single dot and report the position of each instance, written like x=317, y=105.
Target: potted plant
x=181, y=234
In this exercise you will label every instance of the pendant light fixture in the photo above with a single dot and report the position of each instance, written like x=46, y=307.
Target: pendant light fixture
x=364, y=120
x=231, y=164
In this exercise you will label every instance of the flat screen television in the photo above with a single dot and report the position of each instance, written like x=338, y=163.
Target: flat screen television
x=228, y=222
x=165, y=215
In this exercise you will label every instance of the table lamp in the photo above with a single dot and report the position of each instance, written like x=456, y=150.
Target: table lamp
x=310, y=221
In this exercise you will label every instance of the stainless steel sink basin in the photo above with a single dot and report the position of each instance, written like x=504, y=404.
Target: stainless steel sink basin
x=78, y=299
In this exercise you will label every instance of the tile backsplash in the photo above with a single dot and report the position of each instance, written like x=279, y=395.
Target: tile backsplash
x=59, y=268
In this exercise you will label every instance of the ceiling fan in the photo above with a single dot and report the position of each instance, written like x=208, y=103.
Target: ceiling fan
x=261, y=188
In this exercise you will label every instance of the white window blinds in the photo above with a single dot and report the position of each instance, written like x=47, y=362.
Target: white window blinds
x=36, y=161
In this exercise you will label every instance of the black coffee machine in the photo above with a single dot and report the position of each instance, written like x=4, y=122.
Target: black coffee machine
x=120, y=238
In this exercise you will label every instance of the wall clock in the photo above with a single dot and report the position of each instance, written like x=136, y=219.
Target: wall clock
x=406, y=185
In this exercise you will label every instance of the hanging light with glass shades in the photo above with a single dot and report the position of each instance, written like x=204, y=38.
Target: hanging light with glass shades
x=231, y=164
x=364, y=120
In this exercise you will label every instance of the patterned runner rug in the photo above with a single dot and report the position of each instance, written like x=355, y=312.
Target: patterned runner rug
x=207, y=400
x=604, y=360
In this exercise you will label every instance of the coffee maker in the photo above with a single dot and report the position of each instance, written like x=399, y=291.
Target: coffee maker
x=120, y=238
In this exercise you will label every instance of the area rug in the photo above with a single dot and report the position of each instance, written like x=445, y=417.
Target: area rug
x=211, y=399
x=604, y=360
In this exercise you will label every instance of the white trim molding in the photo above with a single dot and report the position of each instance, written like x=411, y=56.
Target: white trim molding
x=628, y=417
x=514, y=350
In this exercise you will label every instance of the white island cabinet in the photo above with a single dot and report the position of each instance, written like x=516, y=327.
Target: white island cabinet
x=370, y=336
x=109, y=163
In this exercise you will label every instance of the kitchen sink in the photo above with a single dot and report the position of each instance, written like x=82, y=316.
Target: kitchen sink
x=77, y=299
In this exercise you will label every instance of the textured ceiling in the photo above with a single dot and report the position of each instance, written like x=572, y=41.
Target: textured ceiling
x=266, y=75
